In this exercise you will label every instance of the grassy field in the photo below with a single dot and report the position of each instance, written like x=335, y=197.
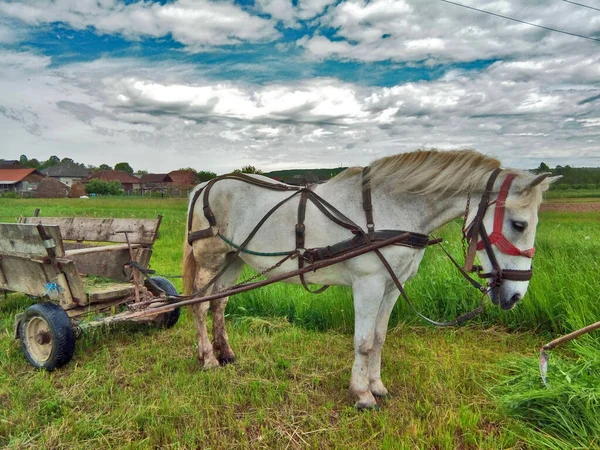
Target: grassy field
x=473, y=387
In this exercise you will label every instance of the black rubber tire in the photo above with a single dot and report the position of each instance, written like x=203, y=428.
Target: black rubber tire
x=59, y=350
x=168, y=319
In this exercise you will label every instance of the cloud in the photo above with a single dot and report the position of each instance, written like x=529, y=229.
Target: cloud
x=430, y=30
x=165, y=116
x=195, y=23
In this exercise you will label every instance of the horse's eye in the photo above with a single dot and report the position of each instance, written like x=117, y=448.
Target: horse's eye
x=519, y=225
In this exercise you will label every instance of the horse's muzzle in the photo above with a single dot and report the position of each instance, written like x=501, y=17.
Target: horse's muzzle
x=505, y=303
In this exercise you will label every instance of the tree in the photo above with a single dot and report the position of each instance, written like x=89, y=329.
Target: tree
x=102, y=187
x=23, y=159
x=204, y=175
x=67, y=160
x=139, y=173
x=33, y=163
x=104, y=167
x=52, y=161
x=124, y=166
x=248, y=169
x=543, y=167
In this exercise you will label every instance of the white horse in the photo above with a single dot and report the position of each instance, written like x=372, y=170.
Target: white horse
x=419, y=192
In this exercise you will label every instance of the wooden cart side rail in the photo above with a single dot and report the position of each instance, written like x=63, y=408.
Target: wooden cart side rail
x=40, y=278
x=107, y=248
x=24, y=240
x=140, y=231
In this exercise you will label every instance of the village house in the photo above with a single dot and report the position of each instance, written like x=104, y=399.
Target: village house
x=19, y=180
x=184, y=179
x=67, y=172
x=51, y=188
x=156, y=182
x=129, y=183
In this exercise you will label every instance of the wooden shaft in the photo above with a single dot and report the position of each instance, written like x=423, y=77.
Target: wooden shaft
x=284, y=276
x=571, y=336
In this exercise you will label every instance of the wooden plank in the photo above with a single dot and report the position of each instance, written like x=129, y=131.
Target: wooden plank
x=30, y=276
x=106, y=248
x=74, y=281
x=141, y=231
x=108, y=264
x=114, y=291
x=24, y=240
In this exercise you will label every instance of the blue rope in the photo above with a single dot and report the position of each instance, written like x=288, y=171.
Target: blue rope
x=251, y=252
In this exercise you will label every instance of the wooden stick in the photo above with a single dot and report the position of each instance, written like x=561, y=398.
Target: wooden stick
x=571, y=336
x=310, y=268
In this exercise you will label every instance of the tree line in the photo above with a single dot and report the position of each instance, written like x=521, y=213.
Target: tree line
x=572, y=177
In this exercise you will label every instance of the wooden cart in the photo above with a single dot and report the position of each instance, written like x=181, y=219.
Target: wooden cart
x=78, y=266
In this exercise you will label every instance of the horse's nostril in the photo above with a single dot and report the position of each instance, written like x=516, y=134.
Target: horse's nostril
x=515, y=298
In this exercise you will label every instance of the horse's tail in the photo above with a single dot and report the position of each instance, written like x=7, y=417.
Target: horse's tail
x=189, y=268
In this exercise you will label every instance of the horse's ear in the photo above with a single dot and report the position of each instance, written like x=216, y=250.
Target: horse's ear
x=541, y=177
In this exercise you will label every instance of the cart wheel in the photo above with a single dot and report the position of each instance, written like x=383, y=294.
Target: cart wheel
x=168, y=319
x=47, y=336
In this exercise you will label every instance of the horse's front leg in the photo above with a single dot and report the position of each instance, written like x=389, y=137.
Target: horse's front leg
x=368, y=294
x=385, y=310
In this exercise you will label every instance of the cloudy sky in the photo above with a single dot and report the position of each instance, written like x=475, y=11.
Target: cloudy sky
x=277, y=84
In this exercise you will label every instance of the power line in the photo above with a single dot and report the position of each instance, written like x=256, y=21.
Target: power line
x=581, y=4
x=522, y=21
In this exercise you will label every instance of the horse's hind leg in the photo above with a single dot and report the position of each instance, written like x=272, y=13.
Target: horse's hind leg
x=220, y=340
x=205, y=348
x=210, y=256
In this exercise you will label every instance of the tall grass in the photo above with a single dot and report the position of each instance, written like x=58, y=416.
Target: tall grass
x=562, y=297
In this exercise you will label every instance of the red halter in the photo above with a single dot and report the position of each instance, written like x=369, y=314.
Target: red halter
x=497, y=238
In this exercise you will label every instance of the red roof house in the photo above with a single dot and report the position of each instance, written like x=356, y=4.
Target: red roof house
x=184, y=179
x=19, y=180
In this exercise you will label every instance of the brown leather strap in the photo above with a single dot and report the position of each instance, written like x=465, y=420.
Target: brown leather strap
x=300, y=223
x=475, y=227
x=232, y=176
x=300, y=237
x=366, y=198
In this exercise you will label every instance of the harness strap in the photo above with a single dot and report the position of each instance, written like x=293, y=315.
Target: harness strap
x=459, y=320
x=497, y=237
x=473, y=230
x=243, y=245
x=209, y=232
x=300, y=239
x=366, y=198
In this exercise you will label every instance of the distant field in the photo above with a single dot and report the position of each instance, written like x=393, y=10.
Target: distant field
x=573, y=193
x=475, y=387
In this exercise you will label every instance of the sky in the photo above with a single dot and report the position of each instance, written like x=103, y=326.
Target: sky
x=279, y=84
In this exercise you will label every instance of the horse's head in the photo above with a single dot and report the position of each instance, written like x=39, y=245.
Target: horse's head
x=503, y=233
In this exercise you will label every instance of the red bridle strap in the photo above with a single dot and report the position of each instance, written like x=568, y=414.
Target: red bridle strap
x=497, y=238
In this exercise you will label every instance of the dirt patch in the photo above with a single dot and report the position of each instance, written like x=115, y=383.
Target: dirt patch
x=571, y=206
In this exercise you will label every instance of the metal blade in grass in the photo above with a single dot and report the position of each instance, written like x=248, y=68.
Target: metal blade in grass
x=566, y=338
x=544, y=365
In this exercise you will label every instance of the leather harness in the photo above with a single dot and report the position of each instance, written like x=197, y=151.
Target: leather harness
x=362, y=239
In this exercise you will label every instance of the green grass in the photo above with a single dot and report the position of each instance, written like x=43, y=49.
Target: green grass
x=475, y=387
x=573, y=193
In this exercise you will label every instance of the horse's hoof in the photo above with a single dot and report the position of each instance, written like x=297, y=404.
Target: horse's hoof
x=387, y=396
x=209, y=364
x=366, y=406
x=225, y=361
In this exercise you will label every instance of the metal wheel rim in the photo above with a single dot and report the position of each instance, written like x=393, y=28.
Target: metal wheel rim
x=35, y=328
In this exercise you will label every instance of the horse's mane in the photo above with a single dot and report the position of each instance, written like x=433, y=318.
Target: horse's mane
x=429, y=172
